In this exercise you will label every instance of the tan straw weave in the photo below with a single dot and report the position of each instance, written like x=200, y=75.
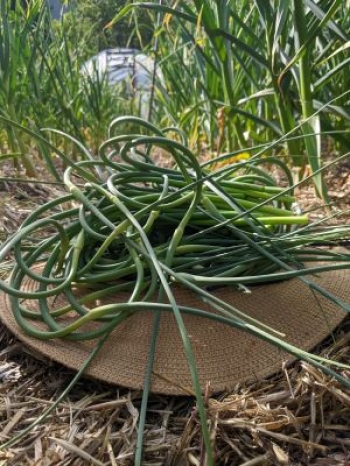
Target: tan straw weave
x=224, y=355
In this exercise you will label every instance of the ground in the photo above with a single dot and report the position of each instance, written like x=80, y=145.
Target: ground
x=297, y=417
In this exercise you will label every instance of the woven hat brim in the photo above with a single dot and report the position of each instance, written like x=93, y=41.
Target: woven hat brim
x=224, y=355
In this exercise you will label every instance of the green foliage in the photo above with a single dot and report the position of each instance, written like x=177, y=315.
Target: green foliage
x=135, y=31
x=237, y=74
x=243, y=73
x=41, y=84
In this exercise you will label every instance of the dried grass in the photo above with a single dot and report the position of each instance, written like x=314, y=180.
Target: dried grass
x=298, y=417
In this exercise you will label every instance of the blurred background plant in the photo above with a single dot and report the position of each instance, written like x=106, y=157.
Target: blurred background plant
x=42, y=85
x=134, y=31
x=244, y=73
x=237, y=74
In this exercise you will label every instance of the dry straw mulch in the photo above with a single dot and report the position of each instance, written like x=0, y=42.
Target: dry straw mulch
x=298, y=417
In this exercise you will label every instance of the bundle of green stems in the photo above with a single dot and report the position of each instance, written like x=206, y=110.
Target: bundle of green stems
x=132, y=227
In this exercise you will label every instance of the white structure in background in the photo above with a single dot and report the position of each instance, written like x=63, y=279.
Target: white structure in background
x=128, y=66
x=57, y=8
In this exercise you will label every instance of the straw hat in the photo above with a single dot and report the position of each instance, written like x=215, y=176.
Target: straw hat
x=224, y=355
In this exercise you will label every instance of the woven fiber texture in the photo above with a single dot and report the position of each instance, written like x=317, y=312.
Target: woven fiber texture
x=224, y=355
